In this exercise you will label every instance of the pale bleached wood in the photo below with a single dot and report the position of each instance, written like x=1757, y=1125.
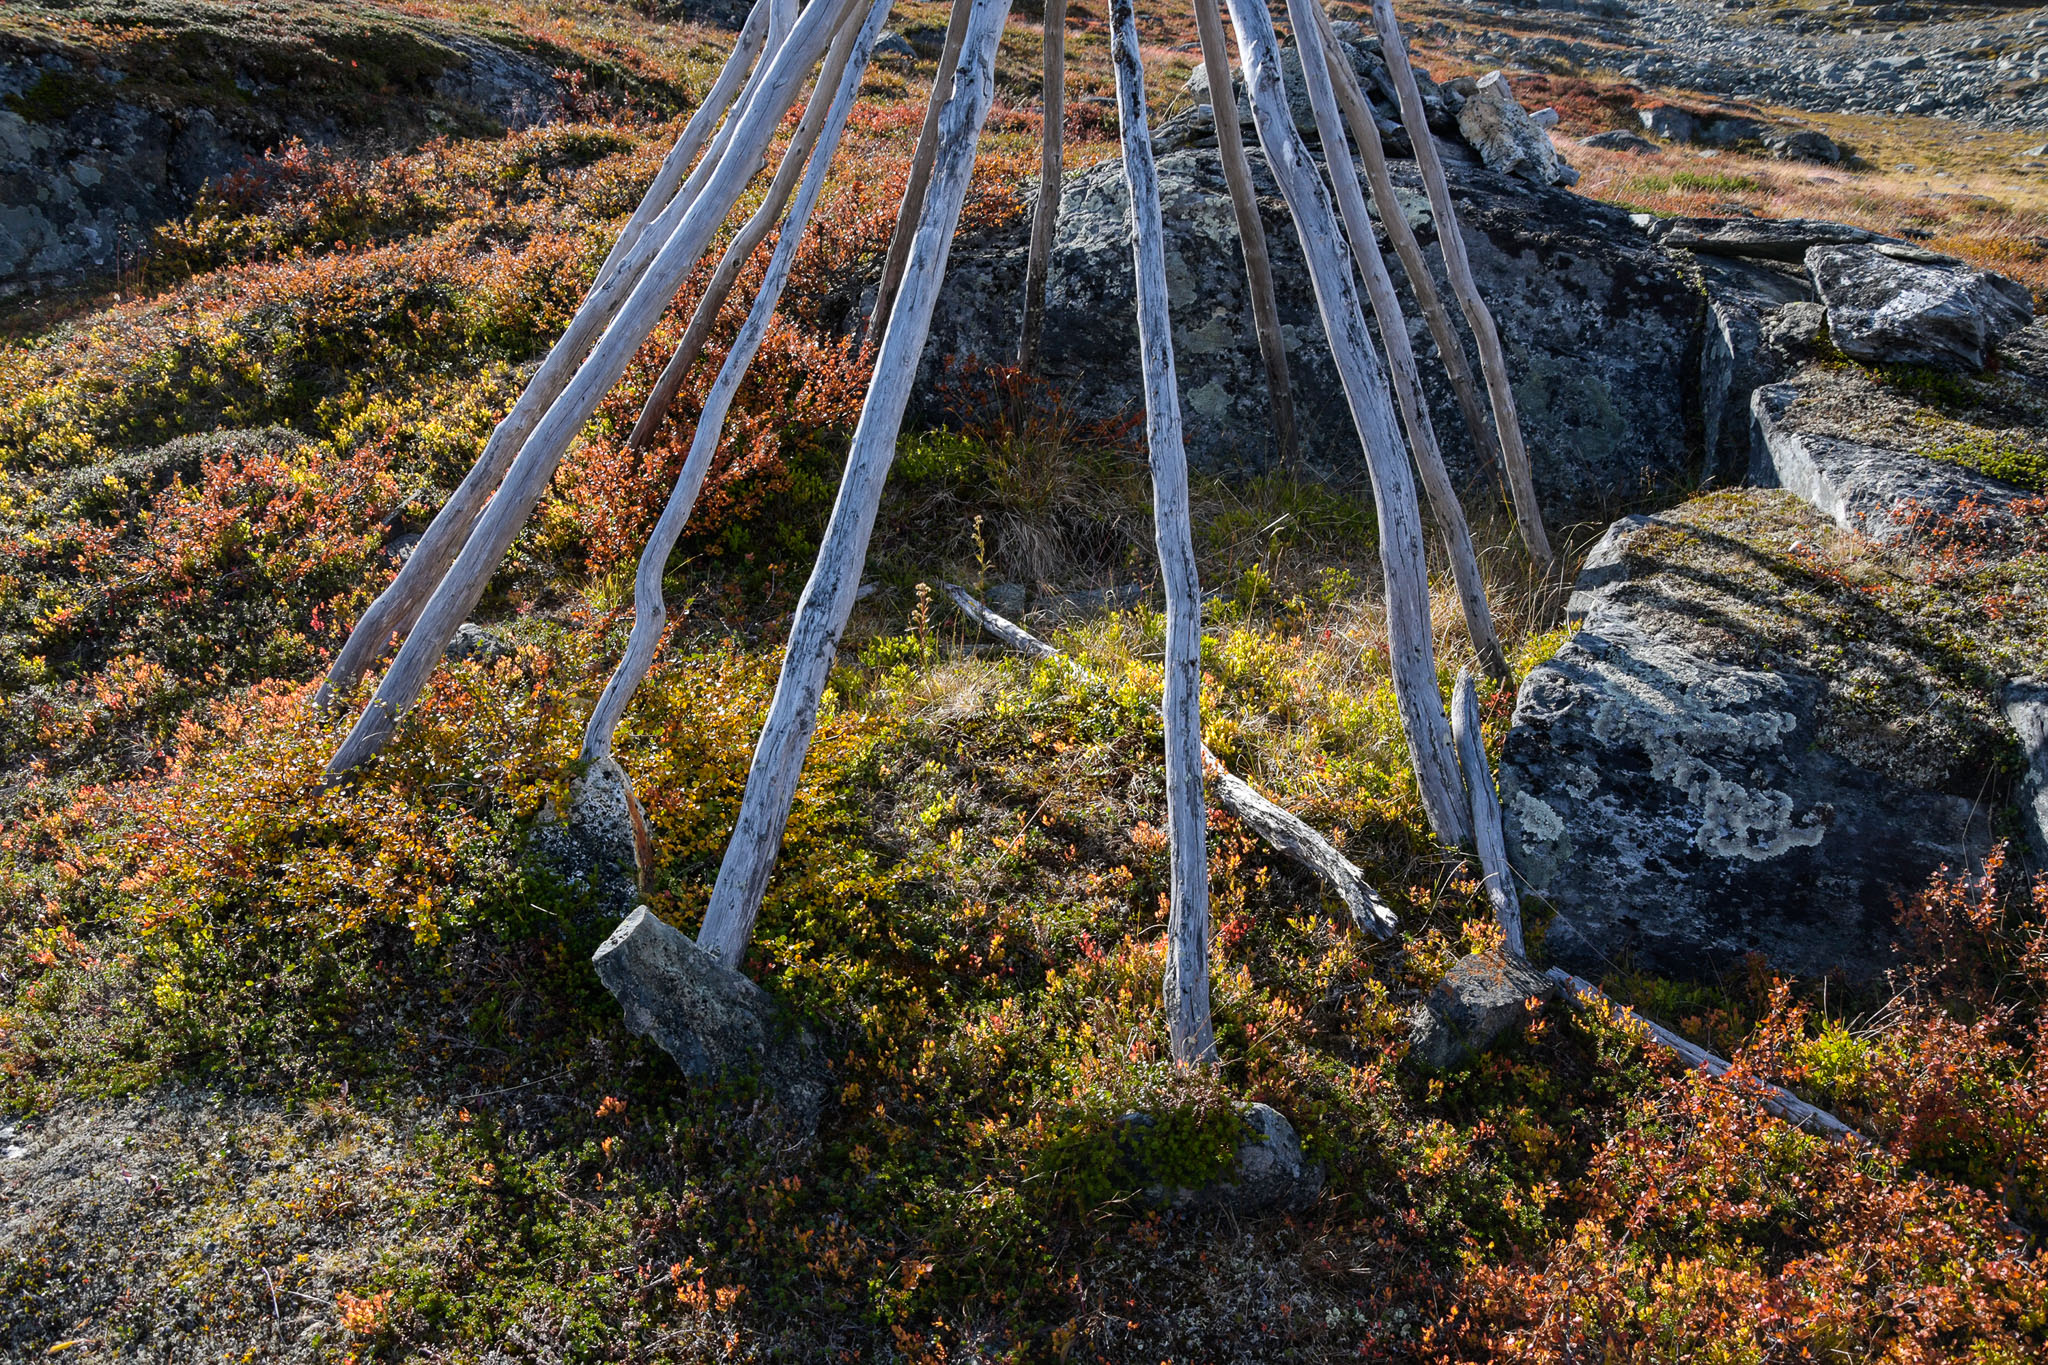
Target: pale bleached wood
x=397, y=608
x=751, y=234
x=1317, y=61
x=1411, y=651
x=650, y=611
x=910, y=213
x=1251, y=233
x=1046, y=213
x=1776, y=1100
x=458, y=591
x=835, y=578
x=1191, y=1037
x=1458, y=268
x=1488, y=836
x=1279, y=828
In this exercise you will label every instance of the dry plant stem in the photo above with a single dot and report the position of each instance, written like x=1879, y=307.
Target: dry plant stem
x=910, y=213
x=1317, y=60
x=1366, y=133
x=457, y=594
x=1492, y=360
x=794, y=157
x=397, y=608
x=1251, y=233
x=835, y=578
x=1282, y=830
x=1046, y=215
x=650, y=612
x=1191, y=1036
x=1499, y=878
x=1411, y=652
x=1775, y=1099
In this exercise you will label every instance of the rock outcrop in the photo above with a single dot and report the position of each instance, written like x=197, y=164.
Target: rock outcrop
x=1897, y=304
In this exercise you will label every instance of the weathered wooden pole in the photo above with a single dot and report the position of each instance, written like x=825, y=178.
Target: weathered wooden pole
x=1411, y=653
x=650, y=611
x=910, y=213
x=1365, y=131
x=794, y=158
x=1488, y=837
x=398, y=606
x=1185, y=985
x=1045, y=214
x=1251, y=233
x=829, y=595
x=1458, y=267
x=458, y=591
x=1316, y=62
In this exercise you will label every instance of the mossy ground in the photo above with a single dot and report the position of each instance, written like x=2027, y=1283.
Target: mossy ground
x=374, y=1104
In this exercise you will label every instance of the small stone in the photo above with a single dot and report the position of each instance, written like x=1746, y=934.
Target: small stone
x=1481, y=999
x=1899, y=304
x=1544, y=118
x=1620, y=140
x=1804, y=145
x=473, y=641
x=1796, y=326
x=709, y=1018
x=1271, y=1172
x=893, y=44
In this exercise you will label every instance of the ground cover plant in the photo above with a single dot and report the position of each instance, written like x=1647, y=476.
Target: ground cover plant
x=376, y=1107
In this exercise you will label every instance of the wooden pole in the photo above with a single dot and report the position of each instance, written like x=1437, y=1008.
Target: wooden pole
x=1251, y=233
x=835, y=578
x=794, y=158
x=1046, y=214
x=910, y=213
x=1317, y=61
x=1365, y=131
x=650, y=612
x=1499, y=878
x=458, y=591
x=1411, y=653
x=1458, y=267
x=397, y=608
x=1185, y=985
x=1281, y=830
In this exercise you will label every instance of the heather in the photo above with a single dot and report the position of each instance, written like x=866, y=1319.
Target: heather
x=442, y=1136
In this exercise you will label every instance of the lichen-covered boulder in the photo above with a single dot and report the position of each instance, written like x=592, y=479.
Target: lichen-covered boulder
x=1899, y=304
x=1598, y=325
x=1506, y=138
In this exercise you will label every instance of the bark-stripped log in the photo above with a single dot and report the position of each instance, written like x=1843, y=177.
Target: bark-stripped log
x=1190, y=1035
x=1775, y=1099
x=1251, y=232
x=1411, y=653
x=458, y=592
x=1045, y=215
x=794, y=158
x=1386, y=307
x=650, y=612
x=910, y=213
x=397, y=608
x=829, y=595
x=1283, y=831
x=1486, y=826
x=1450, y=239
x=1365, y=131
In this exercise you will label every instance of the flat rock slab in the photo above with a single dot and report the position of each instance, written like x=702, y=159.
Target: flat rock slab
x=1878, y=491
x=713, y=1021
x=1735, y=755
x=1895, y=304
x=1599, y=325
x=1770, y=239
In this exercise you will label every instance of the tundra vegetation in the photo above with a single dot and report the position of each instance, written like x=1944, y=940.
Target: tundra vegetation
x=439, y=1139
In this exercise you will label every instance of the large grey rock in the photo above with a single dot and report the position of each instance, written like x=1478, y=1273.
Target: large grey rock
x=1741, y=351
x=1482, y=999
x=1902, y=305
x=713, y=1021
x=1772, y=239
x=2026, y=710
x=1804, y=144
x=1670, y=122
x=1876, y=490
x=1699, y=773
x=1496, y=126
x=1598, y=324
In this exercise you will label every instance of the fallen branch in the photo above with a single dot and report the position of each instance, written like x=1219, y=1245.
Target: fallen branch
x=1283, y=831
